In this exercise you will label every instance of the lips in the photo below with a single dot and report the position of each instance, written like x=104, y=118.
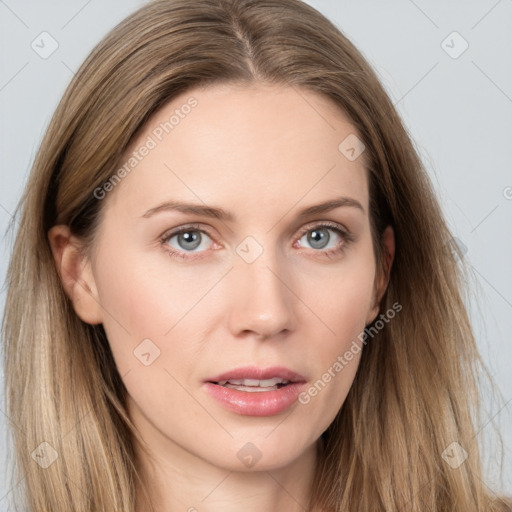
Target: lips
x=253, y=391
x=252, y=376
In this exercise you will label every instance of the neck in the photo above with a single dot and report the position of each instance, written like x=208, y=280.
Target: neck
x=177, y=480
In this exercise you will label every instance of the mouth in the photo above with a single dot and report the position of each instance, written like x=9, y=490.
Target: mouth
x=253, y=378
x=254, y=385
x=253, y=391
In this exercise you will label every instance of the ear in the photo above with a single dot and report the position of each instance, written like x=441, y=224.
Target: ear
x=76, y=274
x=383, y=272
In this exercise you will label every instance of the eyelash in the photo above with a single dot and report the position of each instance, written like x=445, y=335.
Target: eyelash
x=346, y=237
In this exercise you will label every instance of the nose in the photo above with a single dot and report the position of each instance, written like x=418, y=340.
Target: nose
x=263, y=299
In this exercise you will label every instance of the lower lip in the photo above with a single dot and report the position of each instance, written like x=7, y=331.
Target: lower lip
x=256, y=403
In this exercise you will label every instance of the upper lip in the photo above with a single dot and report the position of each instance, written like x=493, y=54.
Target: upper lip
x=254, y=372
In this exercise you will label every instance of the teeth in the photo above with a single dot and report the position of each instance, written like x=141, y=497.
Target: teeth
x=271, y=382
x=251, y=389
x=253, y=383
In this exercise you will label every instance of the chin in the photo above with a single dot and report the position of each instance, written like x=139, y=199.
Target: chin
x=257, y=452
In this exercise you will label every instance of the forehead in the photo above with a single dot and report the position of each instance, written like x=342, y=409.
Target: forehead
x=244, y=145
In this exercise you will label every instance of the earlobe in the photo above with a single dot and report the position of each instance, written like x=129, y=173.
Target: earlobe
x=75, y=273
x=383, y=274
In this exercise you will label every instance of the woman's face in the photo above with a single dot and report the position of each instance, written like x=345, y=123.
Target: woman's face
x=260, y=285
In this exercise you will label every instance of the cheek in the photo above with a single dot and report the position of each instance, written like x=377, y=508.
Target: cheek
x=344, y=316
x=342, y=304
x=342, y=297
x=151, y=299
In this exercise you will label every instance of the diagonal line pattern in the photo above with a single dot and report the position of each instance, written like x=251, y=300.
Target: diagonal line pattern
x=227, y=227
x=13, y=13
x=217, y=486
x=492, y=81
x=489, y=490
x=11, y=489
x=492, y=418
x=85, y=493
x=424, y=13
x=301, y=198
x=12, y=423
x=14, y=76
x=497, y=291
x=419, y=490
x=279, y=424
x=459, y=208
x=485, y=15
x=298, y=92
x=306, y=193
x=5, y=209
x=76, y=14
x=286, y=490
x=199, y=403
x=206, y=293
x=76, y=424
x=482, y=221
x=417, y=83
x=301, y=300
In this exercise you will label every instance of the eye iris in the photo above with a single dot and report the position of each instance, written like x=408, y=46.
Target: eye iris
x=189, y=237
x=318, y=238
x=189, y=240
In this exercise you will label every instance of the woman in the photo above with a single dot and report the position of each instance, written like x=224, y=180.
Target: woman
x=231, y=287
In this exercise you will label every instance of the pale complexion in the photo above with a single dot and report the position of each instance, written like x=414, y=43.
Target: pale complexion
x=263, y=154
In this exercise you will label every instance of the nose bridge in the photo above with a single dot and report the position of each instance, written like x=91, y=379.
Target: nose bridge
x=262, y=301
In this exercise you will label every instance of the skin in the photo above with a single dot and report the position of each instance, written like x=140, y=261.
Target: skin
x=263, y=153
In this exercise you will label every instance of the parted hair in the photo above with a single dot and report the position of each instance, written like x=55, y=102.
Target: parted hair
x=416, y=390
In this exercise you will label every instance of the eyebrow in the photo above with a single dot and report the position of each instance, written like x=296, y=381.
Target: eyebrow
x=223, y=215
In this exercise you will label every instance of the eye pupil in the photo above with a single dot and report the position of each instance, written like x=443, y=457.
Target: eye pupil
x=189, y=237
x=318, y=238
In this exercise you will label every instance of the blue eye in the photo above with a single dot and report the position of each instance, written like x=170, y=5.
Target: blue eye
x=319, y=236
x=192, y=242
x=188, y=239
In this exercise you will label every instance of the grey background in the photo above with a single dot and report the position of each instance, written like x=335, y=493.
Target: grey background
x=458, y=109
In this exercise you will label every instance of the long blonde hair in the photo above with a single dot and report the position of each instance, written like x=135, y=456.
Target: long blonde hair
x=416, y=390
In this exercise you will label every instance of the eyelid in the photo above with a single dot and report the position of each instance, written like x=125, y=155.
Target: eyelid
x=186, y=227
x=171, y=233
x=343, y=232
x=347, y=237
x=324, y=223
